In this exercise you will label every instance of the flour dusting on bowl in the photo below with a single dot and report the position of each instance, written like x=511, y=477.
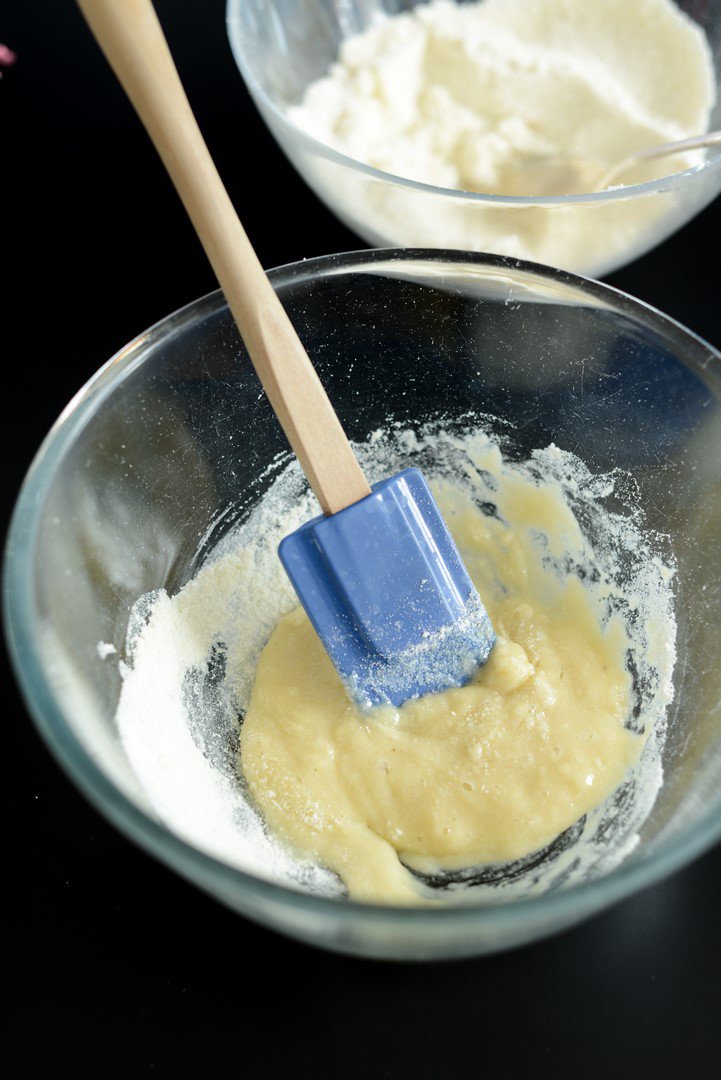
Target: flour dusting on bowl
x=192, y=658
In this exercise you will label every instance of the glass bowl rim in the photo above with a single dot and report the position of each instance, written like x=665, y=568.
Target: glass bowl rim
x=150, y=833
x=629, y=191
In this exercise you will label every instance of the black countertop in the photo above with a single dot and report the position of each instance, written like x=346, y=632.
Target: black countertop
x=115, y=967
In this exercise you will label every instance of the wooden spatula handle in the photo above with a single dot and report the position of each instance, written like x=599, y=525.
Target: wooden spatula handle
x=130, y=35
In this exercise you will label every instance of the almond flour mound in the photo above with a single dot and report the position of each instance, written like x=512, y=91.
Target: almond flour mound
x=481, y=96
x=458, y=95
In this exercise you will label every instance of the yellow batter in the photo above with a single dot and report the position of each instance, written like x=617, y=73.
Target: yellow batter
x=486, y=773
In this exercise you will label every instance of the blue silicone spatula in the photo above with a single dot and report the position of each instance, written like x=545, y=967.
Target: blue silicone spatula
x=378, y=572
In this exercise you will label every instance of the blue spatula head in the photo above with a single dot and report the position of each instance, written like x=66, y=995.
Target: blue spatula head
x=387, y=591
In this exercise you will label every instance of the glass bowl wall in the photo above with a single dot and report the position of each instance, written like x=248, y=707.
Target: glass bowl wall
x=171, y=439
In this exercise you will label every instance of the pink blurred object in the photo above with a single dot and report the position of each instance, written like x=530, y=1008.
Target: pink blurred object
x=7, y=57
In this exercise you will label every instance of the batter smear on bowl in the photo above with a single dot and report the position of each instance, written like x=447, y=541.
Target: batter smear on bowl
x=536, y=774
x=485, y=773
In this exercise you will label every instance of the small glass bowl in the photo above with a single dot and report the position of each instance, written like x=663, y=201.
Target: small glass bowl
x=171, y=437
x=281, y=46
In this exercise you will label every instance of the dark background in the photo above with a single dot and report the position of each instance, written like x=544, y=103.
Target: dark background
x=113, y=966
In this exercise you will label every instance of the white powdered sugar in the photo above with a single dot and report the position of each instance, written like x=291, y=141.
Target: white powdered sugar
x=478, y=96
x=459, y=94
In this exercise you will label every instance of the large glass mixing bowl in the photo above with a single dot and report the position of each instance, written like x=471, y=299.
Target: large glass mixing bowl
x=281, y=46
x=171, y=442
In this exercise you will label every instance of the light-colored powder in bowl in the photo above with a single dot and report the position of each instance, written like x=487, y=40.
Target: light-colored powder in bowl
x=467, y=95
